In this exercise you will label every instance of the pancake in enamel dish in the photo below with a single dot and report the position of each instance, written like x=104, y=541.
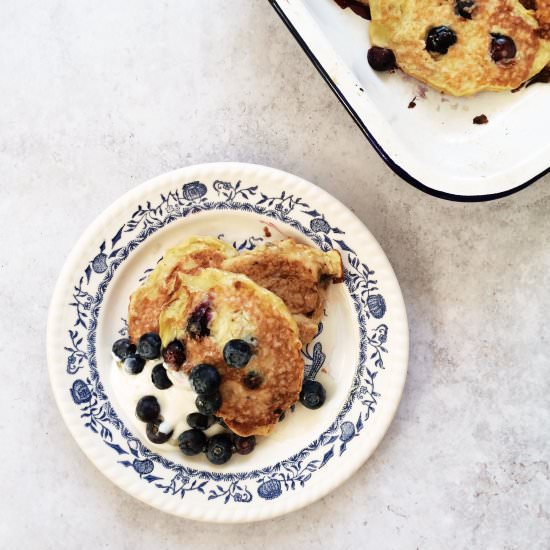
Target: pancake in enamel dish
x=541, y=12
x=238, y=308
x=497, y=44
x=299, y=274
x=189, y=256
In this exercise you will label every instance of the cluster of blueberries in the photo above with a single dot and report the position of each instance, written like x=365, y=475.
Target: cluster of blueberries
x=205, y=381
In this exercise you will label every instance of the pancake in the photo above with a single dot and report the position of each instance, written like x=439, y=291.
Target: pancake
x=239, y=309
x=541, y=12
x=189, y=256
x=299, y=274
x=467, y=67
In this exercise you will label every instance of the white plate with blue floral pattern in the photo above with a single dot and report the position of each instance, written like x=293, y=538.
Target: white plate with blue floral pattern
x=361, y=350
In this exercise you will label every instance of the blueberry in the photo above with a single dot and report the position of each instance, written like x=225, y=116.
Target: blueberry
x=155, y=434
x=200, y=421
x=133, y=364
x=197, y=324
x=149, y=346
x=237, y=353
x=205, y=379
x=160, y=378
x=244, y=445
x=208, y=404
x=440, y=39
x=148, y=408
x=174, y=353
x=313, y=394
x=503, y=48
x=464, y=8
x=253, y=380
x=191, y=442
x=381, y=59
x=218, y=449
x=123, y=347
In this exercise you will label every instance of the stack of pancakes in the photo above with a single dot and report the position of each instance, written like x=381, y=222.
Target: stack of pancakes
x=272, y=297
x=468, y=66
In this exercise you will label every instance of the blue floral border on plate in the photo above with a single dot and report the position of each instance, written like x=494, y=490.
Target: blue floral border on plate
x=95, y=408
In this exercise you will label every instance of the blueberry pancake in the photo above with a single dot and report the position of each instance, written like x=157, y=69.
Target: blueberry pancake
x=541, y=12
x=463, y=46
x=247, y=333
x=299, y=274
x=189, y=256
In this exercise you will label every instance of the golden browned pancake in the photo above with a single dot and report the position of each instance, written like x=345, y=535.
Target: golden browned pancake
x=189, y=256
x=542, y=15
x=297, y=273
x=239, y=309
x=467, y=67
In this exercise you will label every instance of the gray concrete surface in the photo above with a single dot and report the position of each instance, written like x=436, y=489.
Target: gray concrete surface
x=99, y=96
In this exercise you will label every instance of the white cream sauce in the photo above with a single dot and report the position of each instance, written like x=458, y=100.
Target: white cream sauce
x=176, y=402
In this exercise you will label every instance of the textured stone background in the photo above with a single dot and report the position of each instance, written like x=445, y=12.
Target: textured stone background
x=99, y=96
